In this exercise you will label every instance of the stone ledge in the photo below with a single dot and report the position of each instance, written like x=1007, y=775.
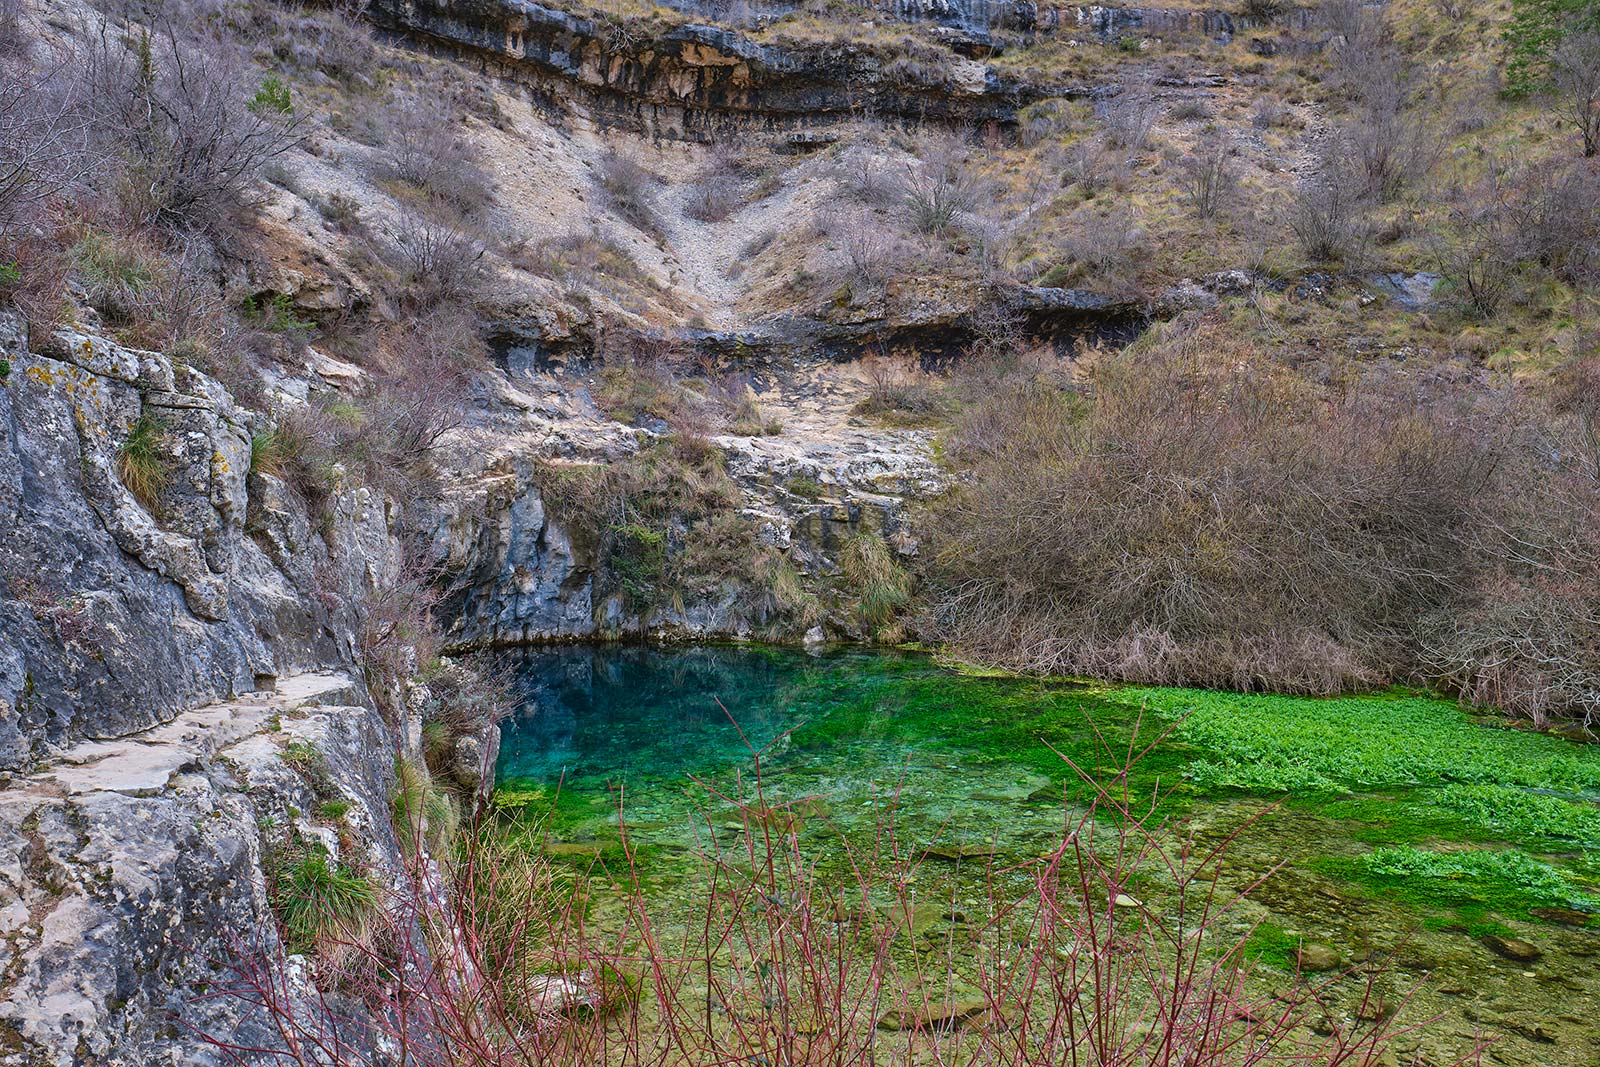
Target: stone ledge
x=141, y=765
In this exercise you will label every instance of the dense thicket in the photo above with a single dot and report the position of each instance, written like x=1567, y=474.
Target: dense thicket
x=1199, y=517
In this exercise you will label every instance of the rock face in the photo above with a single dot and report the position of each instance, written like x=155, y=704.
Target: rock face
x=131, y=872
x=514, y=573
x=695, y=81
x=976, y=20
x=119, y=612
x=154, y=650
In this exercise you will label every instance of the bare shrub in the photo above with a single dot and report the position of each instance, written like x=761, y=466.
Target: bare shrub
x=1209, y=177
x=1044, y=121
x=395, y=632
x=426, y=148
x=1555, y=221
x=14, y=41
x=872, y=254
x=577, y=257
x=1575, y=76
x=996, y=330
x=1357, y=38
x=420, y=392
x=154, y=293
x=1129, y=116
x=43, y=146
x=900, y=395
x=1525, y=639
x=941, y=187
x=1268, y=112
x=1392, y=142
x=181, y=113
x=1133, y=538
x=631, y=188
x=717, y=191
x=329, y=43
x=639, y=380
x=385, y=433
x=1089, y=165
x=1477, y=256
x=861, y=172
x=1103, y=243
x=1512, y=225
x=438, y=263
x=1329, y=214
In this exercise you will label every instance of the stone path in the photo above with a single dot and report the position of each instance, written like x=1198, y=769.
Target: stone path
x=142, y=764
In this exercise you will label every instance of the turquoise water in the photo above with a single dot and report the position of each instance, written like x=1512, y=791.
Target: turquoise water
x=1402, y=826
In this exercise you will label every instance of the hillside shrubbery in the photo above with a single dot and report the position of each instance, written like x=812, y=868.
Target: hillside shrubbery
x=1200, y=517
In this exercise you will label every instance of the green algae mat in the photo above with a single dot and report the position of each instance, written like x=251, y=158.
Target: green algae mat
x=1465, y=853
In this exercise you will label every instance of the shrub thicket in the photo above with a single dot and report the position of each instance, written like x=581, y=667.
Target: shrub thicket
x=1204, y=519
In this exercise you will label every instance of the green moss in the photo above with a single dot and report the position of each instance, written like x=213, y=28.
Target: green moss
x=1271, y=944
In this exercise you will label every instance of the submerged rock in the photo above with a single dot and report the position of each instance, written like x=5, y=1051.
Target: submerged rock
x=933, y=1017
x=1313, y=958
x=1512, y=948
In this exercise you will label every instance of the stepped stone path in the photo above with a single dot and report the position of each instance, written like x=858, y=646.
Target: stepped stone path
x=132, y=868
x=142, y=764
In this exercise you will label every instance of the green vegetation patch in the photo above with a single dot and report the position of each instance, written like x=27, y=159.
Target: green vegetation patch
x=1471, y=884
x=1265, y=743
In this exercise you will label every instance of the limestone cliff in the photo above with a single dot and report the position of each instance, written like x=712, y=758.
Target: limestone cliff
x=157, y=658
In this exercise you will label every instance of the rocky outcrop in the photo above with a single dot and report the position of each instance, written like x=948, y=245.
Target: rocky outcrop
x=152, y=655
x=132, y=872
x=696, y=81
x=120, y=611
x=515, y=572
x=977, y=21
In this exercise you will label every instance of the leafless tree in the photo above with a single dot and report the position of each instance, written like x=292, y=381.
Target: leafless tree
x=180, y=111
x=1575, y=69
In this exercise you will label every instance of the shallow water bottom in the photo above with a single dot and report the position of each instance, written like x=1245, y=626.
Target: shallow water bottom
x=975, y=774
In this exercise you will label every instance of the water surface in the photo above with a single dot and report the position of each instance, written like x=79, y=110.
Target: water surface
x=1405, y=829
